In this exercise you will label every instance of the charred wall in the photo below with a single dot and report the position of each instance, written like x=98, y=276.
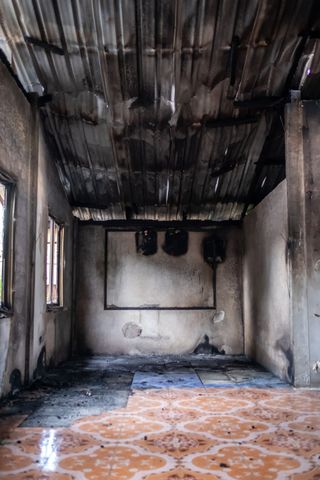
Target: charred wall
x=52, y=328
x=16, y=128
x=153, y=330
x=266, y=284
x=28, y=332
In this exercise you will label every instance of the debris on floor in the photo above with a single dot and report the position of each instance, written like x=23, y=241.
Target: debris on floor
x=94, y=385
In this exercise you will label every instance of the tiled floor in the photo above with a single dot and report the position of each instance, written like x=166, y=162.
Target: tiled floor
x=180, y=430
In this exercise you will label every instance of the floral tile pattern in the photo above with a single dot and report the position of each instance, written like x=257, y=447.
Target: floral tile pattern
x=181, y=473
x=176, y=434
x=39, y=475
x=243, y=462
x=228, y=427
x=176, y=444
x=113, y=462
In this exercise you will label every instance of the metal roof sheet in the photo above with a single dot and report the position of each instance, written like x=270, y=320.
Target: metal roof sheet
x=142, y=122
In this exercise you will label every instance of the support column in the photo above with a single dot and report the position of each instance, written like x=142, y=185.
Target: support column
x=302, y=141
x=30, y=246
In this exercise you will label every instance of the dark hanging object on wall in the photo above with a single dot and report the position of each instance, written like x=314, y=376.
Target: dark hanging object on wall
x=176, y=242
x=214, y=252
x=146, y=242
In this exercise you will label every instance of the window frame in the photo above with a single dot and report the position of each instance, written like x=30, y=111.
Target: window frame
x=58, y=305
x=7, y=275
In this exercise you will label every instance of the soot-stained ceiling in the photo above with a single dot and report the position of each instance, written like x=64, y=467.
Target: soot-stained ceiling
x=164, y=110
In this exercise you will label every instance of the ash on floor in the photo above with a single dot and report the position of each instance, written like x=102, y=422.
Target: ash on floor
x=90, y=386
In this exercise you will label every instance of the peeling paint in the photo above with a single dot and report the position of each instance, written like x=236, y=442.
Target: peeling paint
x=131, y=330
x=218, y=316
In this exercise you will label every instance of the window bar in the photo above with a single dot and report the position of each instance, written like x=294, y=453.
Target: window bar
x=52, y=256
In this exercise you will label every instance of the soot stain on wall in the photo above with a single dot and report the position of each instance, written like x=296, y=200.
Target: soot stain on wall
x=41, y=364
x=283, y=345
x=15, y=381
x=208, y=348
x=139, y=323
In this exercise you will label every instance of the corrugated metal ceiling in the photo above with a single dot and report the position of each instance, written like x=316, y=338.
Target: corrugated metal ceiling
x=144, y=120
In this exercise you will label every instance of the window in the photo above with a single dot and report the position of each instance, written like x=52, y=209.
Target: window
x=6, y=244
x=54, y=273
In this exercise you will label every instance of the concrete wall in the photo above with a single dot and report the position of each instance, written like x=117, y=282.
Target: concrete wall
x=51, y=329
x=302, y=142
x=16, y=126
x=160, y=280
x=154, y=331
x=24, y=157
x=266, y=284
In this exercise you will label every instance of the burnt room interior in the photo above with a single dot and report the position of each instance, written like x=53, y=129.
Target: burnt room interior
x=159, y=239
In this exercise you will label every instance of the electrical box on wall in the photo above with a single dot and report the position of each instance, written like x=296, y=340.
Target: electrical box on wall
x=213, y=254
x=176, y=242
x=213, y=250
x=146, y=242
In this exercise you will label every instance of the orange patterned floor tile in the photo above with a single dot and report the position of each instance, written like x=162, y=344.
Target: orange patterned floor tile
x=290, y=441
x=181, y=474
x=121, y=427
x=11, y=461
x=253, y=395
x=306, y=424
x=215, y=405
x=141, y=403
x=314, y=474
x=172, y=415
x=112, y=463
x=43, y=442
x=38, y=475
x=176, y=443
x=227, y=427
x=186, y=434
x=272, y=415
x=247, y=463
x=298, y=403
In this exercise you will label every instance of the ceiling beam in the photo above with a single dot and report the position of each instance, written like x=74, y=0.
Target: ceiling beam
x=134, y=225
x=260, y=103
x=230, y=122
x=15, y=77
x=45, y=45
x=271, y=161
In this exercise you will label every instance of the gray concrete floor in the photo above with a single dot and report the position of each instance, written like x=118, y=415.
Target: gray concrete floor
x=89, y=386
